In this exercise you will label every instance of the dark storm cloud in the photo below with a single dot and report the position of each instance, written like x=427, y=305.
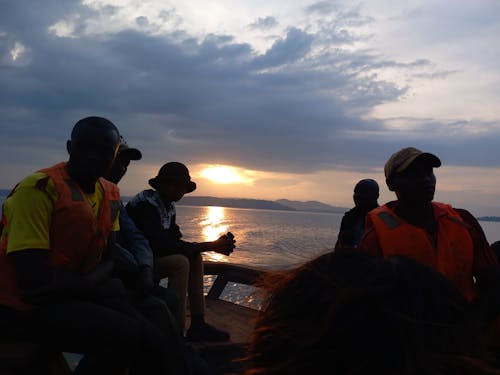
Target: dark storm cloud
x=295, y=46
x=297, y=107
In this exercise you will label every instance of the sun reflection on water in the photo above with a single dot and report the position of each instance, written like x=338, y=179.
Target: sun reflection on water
x=213, y=224
x=212, y=228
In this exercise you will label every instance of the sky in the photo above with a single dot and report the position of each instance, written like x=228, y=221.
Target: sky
x=270, y=99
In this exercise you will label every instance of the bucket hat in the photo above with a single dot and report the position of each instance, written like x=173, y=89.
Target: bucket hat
x=174, y=172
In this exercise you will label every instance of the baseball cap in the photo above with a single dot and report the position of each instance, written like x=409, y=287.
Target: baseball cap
x=131, y=153
x=399, y=161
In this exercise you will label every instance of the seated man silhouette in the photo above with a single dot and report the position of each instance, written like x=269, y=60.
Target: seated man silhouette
x=436, y=234
x=448, y=239
x=134, y=257
x=153, y=212
x=352, y=226
x=56, y=244
x=134, y=266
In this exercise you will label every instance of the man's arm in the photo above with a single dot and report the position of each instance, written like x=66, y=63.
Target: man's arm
x=147, y=220
x=346, y=237
x=40, y=283
x=485, y=268
x=225, y=245
x=167, y=242
x=486, y=271
x=132, y=239
x=484, y=257
x=369, y=241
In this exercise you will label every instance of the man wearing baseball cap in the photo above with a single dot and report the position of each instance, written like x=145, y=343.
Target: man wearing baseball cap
x=133, y=259
x=435, y=234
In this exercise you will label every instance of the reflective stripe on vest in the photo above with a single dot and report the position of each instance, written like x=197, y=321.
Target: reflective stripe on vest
x=453, y=256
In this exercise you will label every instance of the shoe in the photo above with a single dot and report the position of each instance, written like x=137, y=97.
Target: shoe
x=206, y=332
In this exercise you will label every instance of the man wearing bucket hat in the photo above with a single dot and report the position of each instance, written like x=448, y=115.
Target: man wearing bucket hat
x=153, y=212
x=447, y=239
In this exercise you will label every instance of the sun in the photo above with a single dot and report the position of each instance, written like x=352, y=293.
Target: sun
x=222, y=174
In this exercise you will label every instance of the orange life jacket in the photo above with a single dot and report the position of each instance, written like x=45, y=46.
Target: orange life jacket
x=453, y=256
x=77, y=237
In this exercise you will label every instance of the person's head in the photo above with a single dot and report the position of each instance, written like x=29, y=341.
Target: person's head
x=122, y=161
x=366, y=193
x=173, y=181
x=409, y=173
x=351, y=313
x=92, y=148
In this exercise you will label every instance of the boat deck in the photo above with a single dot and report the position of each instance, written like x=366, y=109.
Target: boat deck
x=238, y=320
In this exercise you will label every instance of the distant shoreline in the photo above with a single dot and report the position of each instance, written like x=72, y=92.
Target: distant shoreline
x=489, y=218
x=255, y=204
x=261, y=204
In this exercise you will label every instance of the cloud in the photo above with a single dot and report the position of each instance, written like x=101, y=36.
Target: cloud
x=264, y=23
x=294, y=46
x=303, y=105
x=322, y=7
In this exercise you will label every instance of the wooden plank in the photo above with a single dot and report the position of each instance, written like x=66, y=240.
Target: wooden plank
x=238, y=320
x=229, y=272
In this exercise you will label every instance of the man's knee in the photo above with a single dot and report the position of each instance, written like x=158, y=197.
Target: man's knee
x=181, y=263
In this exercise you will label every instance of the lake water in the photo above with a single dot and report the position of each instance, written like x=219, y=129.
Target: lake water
x=269, y=238
x=264, y=238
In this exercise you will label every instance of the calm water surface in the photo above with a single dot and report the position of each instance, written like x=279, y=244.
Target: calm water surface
x=265, y=238
x=269, y=238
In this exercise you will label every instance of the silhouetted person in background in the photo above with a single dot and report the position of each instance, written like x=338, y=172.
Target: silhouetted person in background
x=366, y=193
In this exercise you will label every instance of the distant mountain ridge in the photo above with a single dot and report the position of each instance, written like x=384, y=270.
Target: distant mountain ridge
x=280, y=204
x=313, y=206
x=233, y=202
x=258, y=204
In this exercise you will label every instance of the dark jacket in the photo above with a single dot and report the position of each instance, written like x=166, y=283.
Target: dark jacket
x=164, y=236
